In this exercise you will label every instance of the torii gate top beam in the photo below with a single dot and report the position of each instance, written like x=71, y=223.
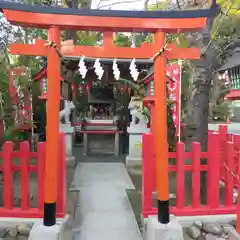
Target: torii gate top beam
x=102, y=20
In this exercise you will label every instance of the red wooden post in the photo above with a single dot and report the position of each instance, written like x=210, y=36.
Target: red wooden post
x=61, y=200
x=25, y=196
x=196, y=158
x=230, y=137
x=180, y=175
x=8, y=177
x=148, y=165
x=40, y=171
x=229, y=165
x=237, y=144
x=236, y=140
x=213, y=170
x=223, y=130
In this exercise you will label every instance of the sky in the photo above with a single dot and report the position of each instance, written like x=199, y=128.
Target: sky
x=121, y=4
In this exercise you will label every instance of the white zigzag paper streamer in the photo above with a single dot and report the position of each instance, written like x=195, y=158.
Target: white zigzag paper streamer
x=98, y=69
x=133, y=70
x=82, y=67
x=116, y=71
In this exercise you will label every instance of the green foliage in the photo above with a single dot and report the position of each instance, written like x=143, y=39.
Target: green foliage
x=221, y=110
x=158, y=6
x=235, y=6
x=88, y=38
x=122, y=40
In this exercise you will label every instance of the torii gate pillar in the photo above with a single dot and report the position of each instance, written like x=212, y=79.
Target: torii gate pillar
x=160, y=134
x=52, y=129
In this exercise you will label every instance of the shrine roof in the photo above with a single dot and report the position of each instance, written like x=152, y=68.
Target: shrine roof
x=38, y=16
x=149, y=76
x=232, y=61
x=41, y=74
x=106, y=13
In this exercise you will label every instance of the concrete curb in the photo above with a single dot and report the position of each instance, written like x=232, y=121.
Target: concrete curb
x=133, y=161
x=70, y=161
x=188, y=220
x=171, y=231
x=233, y=235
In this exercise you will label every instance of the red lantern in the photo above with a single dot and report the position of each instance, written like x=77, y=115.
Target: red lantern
x=73, y=87
x=88, y=87
x=122, y=90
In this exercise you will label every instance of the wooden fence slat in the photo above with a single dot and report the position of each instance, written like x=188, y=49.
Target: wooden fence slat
x=196, y=153
x=229, y=183
x=236, y=140
x=25, y=186
x=230, y=137
x=223, y=131
x=8, y=177
x=180, y=175
x=40, y=172
x=213, y=179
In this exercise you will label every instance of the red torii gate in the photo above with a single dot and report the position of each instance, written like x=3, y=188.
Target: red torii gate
x=57, y=19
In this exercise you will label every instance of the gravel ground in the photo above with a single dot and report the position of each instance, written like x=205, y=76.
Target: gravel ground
x=208, y=231
x=18, y=231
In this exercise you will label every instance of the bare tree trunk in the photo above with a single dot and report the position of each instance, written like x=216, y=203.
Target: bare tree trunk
x=197, y=115
x=196, y=128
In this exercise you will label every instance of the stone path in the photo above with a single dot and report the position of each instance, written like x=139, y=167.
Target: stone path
x=104, y=211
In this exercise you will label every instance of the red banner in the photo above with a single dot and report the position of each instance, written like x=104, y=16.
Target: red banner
x=21, y=100
x=173, y=83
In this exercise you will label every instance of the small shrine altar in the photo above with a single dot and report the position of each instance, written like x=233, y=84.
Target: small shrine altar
x=99, y=124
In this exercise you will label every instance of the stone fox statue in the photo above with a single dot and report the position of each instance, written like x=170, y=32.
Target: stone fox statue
x=135, y=107
x=66, y=112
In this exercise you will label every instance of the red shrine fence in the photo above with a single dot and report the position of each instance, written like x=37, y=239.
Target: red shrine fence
x=222, y=167
x=28, y=163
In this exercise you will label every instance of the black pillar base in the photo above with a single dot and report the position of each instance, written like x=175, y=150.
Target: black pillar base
x=163, y=211
x=49, y=214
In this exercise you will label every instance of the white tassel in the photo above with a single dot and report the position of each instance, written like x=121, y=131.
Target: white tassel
x=133, y=70
x=116, y=71
x=98, y=69
x=82, y=67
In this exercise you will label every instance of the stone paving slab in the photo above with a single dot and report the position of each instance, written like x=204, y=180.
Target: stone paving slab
x=113, y=175
x=104, y=211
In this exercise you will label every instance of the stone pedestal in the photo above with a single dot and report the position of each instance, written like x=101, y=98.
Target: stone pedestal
x=135, y=132
x=68, y=132
x=156, y=231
